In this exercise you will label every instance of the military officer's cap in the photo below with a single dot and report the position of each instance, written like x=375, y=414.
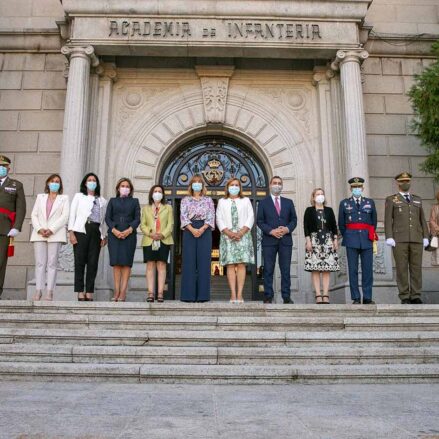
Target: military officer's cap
x=404, y=176
x=4, y=160
x=356, y=181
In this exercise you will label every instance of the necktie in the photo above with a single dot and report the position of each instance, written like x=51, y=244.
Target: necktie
x=277, y=205
x=358, y=203
x=407, y=197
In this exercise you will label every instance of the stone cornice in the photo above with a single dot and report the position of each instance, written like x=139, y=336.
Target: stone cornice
x=327, y=9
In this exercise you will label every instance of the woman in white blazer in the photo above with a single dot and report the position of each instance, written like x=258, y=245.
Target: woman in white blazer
x=235, y=219
x=87, y=233
x=49, y=223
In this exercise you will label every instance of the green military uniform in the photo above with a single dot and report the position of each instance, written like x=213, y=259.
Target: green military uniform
x=405, y=223
x=12, y=199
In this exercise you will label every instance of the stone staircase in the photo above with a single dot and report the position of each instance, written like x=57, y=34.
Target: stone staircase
x=218, y=342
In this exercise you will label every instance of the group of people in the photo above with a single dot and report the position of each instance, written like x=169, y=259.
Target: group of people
x=90, y=222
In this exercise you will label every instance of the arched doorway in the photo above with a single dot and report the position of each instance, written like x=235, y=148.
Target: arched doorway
x=217, y=159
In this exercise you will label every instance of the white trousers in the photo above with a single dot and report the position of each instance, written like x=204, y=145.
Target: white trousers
x=46, y=258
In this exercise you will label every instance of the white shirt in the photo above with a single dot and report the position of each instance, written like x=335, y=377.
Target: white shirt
x=246, y=215
x=404, y=194
x=3, y=180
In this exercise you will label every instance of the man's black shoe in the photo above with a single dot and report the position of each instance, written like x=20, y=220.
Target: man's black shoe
x=268, y=299
x=416, y=301
x=368, y=302
x=405, y=302
x=356, y=302
x=288, y=300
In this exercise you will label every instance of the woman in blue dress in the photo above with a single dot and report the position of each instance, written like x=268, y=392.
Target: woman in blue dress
x=122, y=218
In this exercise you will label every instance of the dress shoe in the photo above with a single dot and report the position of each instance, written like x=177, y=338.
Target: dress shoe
x=416, y=301
x=268, y=300
x=288, y=300
x=368, y=302
x=356, y=302
x=405, y=302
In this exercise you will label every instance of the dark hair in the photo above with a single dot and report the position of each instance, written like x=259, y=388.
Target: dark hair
x=49, y=179
x=83, y=187
x=275, y=176
x=151, y=191
x=122, y=180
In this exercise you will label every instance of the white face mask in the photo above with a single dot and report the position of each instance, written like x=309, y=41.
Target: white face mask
x=320, y=199
x=157, y=196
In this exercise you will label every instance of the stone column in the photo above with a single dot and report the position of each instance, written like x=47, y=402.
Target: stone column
x=348, y=62
x=76, y=116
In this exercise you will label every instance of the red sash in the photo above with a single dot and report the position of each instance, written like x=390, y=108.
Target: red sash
x=11, y=215
x=363, y=226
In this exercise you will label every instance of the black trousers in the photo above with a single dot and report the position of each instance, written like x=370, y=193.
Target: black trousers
x=86, y=253
x=4, y=242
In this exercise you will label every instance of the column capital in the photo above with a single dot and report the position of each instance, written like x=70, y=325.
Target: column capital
x=88, y=52
x=107, y=71
x=345, y=56
x=321, y=75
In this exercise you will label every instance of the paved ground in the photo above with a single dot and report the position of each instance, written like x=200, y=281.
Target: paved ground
x=104, y=411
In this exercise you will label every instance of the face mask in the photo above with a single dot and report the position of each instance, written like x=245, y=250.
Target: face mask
x=54, y=187
x=404, y=187
x=3, y=171
x=124, y=191
x=157, y=196
x=276, y=189
x=91, y=185
x=197, y=187
x=356, y=192
x=320, y=199
x=234, y=190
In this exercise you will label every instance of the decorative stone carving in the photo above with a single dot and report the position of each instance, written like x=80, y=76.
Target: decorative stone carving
x=293, y=99
x=214, y=85
x=66, y=258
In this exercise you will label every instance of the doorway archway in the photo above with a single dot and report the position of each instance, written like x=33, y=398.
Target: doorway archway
x=216, y=159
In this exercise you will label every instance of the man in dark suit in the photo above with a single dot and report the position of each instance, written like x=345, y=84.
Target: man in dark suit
x=277, y=219
x=357, y=221
x=12, y=213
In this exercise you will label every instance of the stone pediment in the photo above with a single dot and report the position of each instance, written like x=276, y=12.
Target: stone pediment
x=300, y=29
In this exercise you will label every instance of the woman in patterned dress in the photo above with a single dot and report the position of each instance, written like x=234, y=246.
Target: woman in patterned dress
x=321, y=243
x=197, y=219
x=235, y=218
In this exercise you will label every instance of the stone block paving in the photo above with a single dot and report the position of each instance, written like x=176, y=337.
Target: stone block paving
x=160, y=411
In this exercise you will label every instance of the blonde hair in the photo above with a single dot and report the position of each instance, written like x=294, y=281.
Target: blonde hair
x=229, y=182
x=196, y=179
x=313, y=195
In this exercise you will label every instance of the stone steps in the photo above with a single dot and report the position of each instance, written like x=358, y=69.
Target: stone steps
x=220, y=374
x=213, y=342
x=250, y=309
x=216, y=355
x=210, y=323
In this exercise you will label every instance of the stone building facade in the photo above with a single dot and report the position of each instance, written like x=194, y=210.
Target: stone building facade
x=312, y=91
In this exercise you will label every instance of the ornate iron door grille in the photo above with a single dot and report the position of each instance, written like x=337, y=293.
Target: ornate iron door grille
x=216, y=159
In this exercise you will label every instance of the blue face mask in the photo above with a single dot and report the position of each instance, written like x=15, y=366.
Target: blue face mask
x=234, y=190
x=54, y=187
x=3, y=171
x=91, y=185
x=197, y=187
x=356, y=192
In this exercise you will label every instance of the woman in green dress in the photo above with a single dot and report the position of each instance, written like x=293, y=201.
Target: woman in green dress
x=235, y=218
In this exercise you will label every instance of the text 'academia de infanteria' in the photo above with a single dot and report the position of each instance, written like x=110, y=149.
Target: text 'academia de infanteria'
x=151, y=29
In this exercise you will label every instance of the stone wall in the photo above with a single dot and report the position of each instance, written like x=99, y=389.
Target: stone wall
x=32, y=95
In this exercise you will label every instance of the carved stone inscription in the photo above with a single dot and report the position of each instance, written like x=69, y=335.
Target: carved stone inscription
x=232, y=29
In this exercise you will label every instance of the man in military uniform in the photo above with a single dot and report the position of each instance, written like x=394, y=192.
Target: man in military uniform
x=12, y=213
x=357, y=221
x=407, y=232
